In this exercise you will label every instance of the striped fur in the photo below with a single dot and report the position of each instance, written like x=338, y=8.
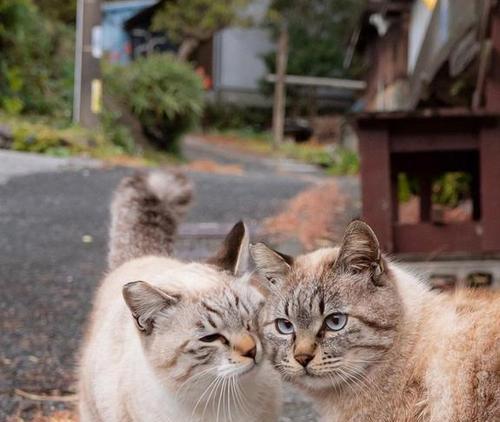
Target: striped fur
x=405, y=354
x=183, y=345
x=145, y=212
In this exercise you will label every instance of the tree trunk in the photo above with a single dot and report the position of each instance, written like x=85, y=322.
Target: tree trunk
x=279, y=87
x=187, y=48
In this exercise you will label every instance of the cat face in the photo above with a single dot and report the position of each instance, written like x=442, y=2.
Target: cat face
x=197, y=342
x=332, y=315
x=199, y=339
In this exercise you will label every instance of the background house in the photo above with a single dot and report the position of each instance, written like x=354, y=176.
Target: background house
x=431, y=116
x=232, y=59
x=423, y=53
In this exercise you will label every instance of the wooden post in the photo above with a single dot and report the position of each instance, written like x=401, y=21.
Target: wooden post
x=279, y=87
x=377, y=192
x=490, y=194
x=88, y=87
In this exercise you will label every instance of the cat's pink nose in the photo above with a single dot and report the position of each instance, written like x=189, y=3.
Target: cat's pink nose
x=250, y=353
x=245, y=345
x=304, y=359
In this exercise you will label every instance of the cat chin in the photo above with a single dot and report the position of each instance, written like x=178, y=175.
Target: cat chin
x=248, y=371
x=313, y=383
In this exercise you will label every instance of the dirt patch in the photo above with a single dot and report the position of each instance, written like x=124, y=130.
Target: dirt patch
x=208, y=166
x=314, y=217
x=124, y=161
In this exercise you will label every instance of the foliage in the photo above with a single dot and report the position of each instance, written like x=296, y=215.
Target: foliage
x=165, y=94
x=319, y=31
x=117, y=133
x=50, y=136
x=334, y=159
x=222, y=116
x=406, y=187
x=451, y=188
x=190, y=22
x=448, y=189
x=36, y=64
x=63, y=11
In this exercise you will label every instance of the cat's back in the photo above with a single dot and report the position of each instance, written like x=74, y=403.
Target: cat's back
x=464, y=361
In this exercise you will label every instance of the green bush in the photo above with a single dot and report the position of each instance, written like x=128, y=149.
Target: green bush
x=451, y=188
x=336, y=161
x=448, y=189
x=46, y=135
x=36, y=61
x=165, y=94
x=231, y=116
x=115, y=132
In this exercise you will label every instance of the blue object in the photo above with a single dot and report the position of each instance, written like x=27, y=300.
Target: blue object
x=115, y=41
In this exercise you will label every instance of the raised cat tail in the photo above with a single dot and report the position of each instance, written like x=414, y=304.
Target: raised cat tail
x=145, y=213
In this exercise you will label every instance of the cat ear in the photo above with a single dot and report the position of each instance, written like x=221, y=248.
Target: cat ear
x=233, y=254
x=360, y=252
x=270, y=264
x=145, y=301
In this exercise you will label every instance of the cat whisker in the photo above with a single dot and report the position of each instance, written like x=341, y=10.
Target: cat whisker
x=244, y=399
x=238, y=397
x=198, y=376
x=208, y=389
x=220, y=396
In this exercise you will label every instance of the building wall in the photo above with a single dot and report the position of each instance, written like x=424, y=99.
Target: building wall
x=387, y=86
x=239, y=64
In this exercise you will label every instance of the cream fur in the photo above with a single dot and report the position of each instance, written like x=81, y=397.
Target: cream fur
x=117, y=383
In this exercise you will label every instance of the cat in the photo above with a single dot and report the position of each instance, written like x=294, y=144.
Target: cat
x=182, y=345
x=368, y=341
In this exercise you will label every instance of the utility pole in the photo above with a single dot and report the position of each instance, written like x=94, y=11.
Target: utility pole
x=279, y=87
x=88, y=85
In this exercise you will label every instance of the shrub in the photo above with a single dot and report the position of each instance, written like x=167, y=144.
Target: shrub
x=451, y=188
x=36, y=61
x=116, y=132
x=165, y=94
x=448, y=189
x=334, y=159
x=46, y=135
x=222, y=116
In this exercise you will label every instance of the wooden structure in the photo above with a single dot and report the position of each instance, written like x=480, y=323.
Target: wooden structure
x=426, y=143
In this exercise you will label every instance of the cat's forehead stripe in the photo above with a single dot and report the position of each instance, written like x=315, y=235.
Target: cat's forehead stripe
x=210, y=308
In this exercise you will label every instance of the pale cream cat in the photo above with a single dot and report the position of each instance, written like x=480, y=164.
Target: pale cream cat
x=368, y=341
x=183, y=344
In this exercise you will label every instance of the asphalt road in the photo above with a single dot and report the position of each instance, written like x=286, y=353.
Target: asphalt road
x=53, y=232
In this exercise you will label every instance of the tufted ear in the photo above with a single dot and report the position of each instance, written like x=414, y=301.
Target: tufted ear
x=271, y=265
x=360, y=252
x=145, y=302
x=233, y=254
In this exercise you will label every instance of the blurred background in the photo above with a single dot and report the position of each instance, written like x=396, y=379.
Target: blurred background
x=297, y=116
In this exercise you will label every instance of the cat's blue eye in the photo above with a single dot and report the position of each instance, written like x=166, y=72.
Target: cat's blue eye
x=284, y=326
x=213, y=337
x=335, y=322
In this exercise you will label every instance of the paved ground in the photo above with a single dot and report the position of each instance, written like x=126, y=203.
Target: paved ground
x=53, y=229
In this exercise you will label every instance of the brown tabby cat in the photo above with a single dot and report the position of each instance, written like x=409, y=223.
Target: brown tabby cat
x=368, y=341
